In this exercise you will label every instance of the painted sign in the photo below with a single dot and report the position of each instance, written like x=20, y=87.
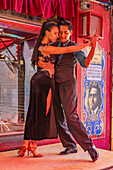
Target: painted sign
x=93, y=94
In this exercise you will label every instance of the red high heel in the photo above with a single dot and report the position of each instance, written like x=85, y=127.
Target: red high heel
x=32, y=150
x=22, y=151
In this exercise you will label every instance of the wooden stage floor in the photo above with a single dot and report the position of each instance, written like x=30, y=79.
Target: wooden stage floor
x=53, y=161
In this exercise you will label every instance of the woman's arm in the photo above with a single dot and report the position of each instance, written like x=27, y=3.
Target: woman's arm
x=91, y=53
x=46, y=50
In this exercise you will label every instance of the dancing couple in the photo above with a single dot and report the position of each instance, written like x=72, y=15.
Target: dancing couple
x=53, y=91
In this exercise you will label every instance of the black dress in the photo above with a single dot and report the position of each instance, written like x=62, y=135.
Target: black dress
x=39, y=126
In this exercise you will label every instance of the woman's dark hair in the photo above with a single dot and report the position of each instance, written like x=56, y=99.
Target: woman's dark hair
x=46, y=26
x=65, y=23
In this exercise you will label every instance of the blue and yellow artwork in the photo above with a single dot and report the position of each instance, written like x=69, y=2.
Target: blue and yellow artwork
x=93, y=96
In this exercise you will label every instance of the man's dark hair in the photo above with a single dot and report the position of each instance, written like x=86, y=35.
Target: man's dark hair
x=65, y=23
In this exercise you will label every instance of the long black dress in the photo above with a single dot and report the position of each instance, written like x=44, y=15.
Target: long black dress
x=39, y=126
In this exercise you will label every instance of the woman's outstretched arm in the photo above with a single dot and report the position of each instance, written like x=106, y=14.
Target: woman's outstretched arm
x=46, y=50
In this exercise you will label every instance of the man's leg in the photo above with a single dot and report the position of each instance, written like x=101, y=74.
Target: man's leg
x=69, y=103
x=63, y=131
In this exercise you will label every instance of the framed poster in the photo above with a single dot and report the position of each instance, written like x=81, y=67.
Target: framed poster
x=93, y=94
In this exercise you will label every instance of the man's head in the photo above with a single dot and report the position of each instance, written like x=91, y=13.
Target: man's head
x=94, y=96
x=65, y=30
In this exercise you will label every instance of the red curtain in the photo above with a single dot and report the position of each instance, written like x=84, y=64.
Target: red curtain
x=42, y=8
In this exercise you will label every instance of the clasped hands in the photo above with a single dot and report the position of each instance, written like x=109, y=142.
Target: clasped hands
x=94, y=39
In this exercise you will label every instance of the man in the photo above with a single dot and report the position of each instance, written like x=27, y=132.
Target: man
x=65, y=102
x=94, y=98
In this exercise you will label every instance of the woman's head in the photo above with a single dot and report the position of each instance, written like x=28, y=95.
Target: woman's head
x=48, y=30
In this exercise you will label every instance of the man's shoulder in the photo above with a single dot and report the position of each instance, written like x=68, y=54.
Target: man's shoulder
x=72, y=43
x=54, y=43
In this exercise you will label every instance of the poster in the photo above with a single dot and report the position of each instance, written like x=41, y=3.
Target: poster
x=93, y=92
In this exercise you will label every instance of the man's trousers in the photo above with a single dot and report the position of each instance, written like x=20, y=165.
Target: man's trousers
x=68, y=122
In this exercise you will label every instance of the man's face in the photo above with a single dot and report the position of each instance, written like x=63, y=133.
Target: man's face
x=64, y=33
x=93, y=99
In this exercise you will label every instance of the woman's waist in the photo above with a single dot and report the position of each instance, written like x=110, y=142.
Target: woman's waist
x=47, y=72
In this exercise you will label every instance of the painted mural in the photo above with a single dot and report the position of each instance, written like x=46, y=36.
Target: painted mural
x=93, y=94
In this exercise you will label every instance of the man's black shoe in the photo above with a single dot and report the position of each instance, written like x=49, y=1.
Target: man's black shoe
x=93, y=153
x=68, y=151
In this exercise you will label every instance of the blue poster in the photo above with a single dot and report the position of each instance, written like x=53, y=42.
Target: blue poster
x=93, y=96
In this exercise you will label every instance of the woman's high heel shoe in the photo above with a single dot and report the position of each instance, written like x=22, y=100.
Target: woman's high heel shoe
x=22, y=151
x=32, y=150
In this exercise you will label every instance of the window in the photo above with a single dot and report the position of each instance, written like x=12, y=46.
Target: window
x=90, y=24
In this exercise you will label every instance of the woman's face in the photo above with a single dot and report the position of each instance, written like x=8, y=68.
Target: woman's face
x=53, y=34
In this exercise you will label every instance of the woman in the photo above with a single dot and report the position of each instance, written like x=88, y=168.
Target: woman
x=40, y=121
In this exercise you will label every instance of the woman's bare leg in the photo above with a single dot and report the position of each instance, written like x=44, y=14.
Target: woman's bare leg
x=49, y=97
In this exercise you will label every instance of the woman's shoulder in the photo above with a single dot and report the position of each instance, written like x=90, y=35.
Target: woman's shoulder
x=42, y=44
